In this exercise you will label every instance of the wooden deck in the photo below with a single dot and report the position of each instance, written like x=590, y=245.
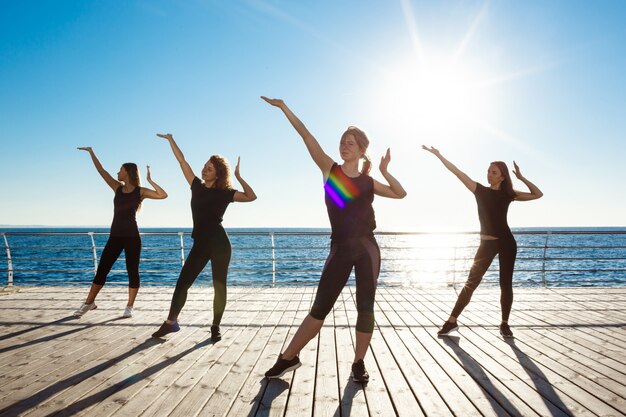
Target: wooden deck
x=568, y=356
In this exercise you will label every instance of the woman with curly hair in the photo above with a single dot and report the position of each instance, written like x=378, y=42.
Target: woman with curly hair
x=209, y=199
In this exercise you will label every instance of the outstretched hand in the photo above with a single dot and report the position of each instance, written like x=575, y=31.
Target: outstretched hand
x=274, y=101
x=167, y=136
x=85, y=148
x=384, y=161
x=432, y=149
x=148, y=177
x=237, y=167
x=516, y=171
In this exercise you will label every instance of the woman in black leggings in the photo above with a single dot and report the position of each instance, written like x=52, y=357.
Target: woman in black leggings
x=124, y=233
x=349, y=196
x=209, y=199
x=495, y=235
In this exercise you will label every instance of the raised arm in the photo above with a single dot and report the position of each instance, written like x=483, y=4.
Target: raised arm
x=189, y=175
x=467, y=181
x=111, y=182
x=534, y=193
x=394, y=189
x=248, y=193
x=323, y=161
x=158, y=193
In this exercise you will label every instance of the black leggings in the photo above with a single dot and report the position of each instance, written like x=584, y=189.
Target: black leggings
x=364, y=255
x=506, y=249
x=112, y=250
x=217, y=249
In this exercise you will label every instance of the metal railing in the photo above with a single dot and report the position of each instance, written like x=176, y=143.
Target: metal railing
x=545, y=257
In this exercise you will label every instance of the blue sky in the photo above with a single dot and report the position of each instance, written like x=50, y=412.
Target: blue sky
x=536, y=82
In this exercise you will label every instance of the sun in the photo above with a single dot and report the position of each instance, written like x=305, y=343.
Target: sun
x=434, y=98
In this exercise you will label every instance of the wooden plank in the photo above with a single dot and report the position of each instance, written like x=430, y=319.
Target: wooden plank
x=248, y=399
x=297, y=397
x=379, y=402
x=396, y=334
x=461, y=373
x=578, y=386
x=61, y=373
x=221, y=401
x=138, y=366
x=455, y=400
x=188, y=371
x=567, y=358
x=326, y=398
x=131, y=364
x=352, y=395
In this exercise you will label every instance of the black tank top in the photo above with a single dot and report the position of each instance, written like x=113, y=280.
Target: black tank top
x=125, y=207
x=208, y=206
x=349, y=204
x=493, y=206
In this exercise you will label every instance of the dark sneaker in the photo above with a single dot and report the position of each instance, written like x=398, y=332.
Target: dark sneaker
x=166, y=328
x=447, y=328
x=359, y=373
x=216, y=335
x=505, y=330
x=282, y=366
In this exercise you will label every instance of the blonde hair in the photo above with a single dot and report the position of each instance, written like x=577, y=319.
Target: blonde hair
x=363, y=142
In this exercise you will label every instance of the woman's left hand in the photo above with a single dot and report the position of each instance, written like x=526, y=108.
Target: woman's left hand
x=148, y=177
x=384, y=161
x=516, y=171
x=237, y=167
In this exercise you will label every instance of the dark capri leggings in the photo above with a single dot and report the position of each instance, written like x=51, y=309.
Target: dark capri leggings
x=364, y=255
x=112, y=250
x=215, y=248
x=506, y=249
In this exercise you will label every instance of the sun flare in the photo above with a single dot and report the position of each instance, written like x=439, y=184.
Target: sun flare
x=434, y=99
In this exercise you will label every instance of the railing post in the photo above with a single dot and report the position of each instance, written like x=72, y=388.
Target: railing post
x=182, y=248
x=456, y=243
x=9, y=260
x=543, y=266
x=95, y=255
x=273, y=261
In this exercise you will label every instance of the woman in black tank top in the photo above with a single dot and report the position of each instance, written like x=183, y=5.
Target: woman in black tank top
x=495, y=235
x=209, y=199
x=124, y=234
x=349, y=196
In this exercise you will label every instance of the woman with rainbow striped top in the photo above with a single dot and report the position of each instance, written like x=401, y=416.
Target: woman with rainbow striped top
x=349, y=196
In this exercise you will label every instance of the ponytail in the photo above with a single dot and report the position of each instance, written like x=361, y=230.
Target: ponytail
x=367, y=164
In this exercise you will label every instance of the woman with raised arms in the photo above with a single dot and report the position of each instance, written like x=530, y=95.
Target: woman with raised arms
x=210, y=196
x=349, y=195
x=124, y=234
x=495, y=235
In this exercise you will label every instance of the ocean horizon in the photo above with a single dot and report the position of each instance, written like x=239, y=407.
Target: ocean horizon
x=555, y=256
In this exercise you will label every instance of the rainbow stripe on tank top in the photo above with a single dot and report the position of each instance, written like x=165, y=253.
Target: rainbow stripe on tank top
x=340, y=188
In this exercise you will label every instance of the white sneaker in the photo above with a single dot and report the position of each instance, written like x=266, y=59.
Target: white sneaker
x=128, y=312
x=85, y=308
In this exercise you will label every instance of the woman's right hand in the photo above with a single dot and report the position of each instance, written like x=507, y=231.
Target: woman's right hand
x=432, y=150
x=274, y=101
x=167, y=136
x=85, y=148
